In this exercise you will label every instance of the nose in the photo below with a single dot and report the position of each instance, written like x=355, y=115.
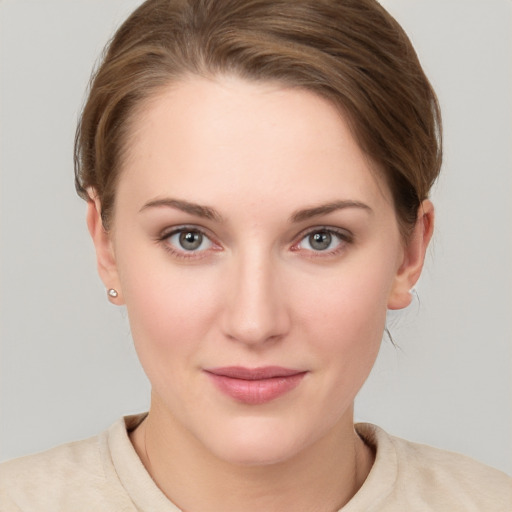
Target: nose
x=255, y=311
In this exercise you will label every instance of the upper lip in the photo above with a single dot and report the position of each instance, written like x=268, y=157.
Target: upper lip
x=260, y=373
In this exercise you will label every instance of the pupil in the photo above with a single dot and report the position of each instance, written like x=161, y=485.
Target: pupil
x=320, y=241
x=190, y=240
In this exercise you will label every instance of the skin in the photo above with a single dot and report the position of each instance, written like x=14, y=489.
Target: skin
x=265, y=161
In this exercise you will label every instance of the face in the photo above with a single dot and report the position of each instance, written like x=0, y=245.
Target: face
x=257, y=252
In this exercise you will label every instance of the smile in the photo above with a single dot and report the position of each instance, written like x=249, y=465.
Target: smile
x=257, y=385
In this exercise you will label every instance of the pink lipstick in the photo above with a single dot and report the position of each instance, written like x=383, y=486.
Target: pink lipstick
x=254, y=386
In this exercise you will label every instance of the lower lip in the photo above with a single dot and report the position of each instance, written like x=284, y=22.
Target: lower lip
x=256, y=392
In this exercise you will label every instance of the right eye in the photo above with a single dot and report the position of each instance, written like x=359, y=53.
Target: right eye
x=187, y=240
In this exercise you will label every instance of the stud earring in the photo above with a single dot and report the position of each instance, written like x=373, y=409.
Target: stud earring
x=112, y=293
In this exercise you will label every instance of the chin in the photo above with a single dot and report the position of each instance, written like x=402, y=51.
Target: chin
x=249, y=452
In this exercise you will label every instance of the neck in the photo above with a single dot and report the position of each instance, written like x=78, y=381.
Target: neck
x=322, y=477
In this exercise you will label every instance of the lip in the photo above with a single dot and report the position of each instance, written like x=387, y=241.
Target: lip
x=255, y=386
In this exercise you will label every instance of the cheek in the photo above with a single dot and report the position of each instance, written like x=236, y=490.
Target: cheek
x=171, y=309
x=349, y=303
x=348, y=334
x=345, y=315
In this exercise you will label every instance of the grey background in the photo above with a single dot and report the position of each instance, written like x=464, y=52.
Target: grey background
x=67, y=367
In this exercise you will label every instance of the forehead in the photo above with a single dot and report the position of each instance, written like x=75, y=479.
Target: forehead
x=227, y=136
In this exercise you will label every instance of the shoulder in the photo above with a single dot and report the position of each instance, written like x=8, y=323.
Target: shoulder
x=59, y=479
x=436, y=479
x=447, y=475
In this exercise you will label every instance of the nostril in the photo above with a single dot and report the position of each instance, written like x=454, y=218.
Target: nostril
x=253, y=325
x=255, y=311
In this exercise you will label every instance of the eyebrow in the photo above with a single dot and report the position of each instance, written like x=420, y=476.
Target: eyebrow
x=207, y=212
x=194, y=209
x=324, y=209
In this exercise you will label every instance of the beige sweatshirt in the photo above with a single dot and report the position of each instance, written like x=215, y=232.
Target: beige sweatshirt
x=104, y=473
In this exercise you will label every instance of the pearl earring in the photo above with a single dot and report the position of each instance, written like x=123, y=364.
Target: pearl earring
x=112, y=293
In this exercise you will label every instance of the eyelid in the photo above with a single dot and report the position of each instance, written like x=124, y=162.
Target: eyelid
x=171, y=230
x=341, y=232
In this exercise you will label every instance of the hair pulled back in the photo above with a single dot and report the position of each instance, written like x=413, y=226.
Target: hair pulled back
x=351, y=52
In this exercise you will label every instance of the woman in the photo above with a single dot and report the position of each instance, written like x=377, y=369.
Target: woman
x=257, y=178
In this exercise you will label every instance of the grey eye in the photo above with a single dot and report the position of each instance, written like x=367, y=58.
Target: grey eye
x=190, y=240
x=320, y=240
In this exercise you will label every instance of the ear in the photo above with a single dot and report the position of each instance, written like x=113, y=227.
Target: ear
x=414, y=252
x=105, y=257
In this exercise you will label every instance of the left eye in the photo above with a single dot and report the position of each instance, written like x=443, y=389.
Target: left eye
x=189, y=240
x=321, y=240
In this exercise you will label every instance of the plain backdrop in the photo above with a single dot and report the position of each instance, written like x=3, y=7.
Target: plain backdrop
x=68, y=369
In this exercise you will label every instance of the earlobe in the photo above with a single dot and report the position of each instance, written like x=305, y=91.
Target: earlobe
x=411, y=265
x=105, y=257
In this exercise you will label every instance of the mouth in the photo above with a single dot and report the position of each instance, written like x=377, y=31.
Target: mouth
x=255, y=386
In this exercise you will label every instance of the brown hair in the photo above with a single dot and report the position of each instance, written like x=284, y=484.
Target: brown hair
x=351, y=52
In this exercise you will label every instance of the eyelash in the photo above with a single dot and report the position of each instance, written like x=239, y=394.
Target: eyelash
x=344, y=237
